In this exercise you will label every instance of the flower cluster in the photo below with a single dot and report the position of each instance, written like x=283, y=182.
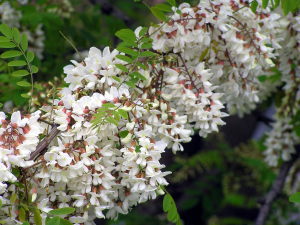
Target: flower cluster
x=231, y=40
x=281, y=142
x=282, y=139
x=19, y=137
x=62, y=8
x=111, y=166
x=289, y=55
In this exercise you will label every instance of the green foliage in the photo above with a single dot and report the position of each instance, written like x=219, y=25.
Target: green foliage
x=295, y=198
x=169, y=206
x=61, y=211
x=135, y=53
x=290, y=6
x=37, y=216
x=160, y=10
x=57, y=221
x=254, y=5
x=265, y=3
x=127, y=36
x=296, y=123
x=18, y=56
x=287, y=6
x=198, y=163
x=109, y=113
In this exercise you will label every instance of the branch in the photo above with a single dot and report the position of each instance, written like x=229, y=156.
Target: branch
x=44, y=143
x=275, y=190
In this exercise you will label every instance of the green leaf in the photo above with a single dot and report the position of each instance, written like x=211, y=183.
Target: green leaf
x=16, y=171
x=37, y=216
x=6, y=30
x=235, y=199
x=253, y=6
x=125, y=58
x=137, y=148
x=130, y=84
x=10, y=54
x=277, y=2
x=16, y=35
x=7, y=45
x=123, y=133
x=147, y=54
x=25, y=95
x=65, y=222
x=297, y=130
x=13, y=198
x=126, y=35
x=34, y=69
x=20, y=73
x=289, y=6
x=112, y=121
x=163, y=7
x=116, y=78
x=146, y=40
x=169, y=206
x=172, y=2
x=127, y=50
x=62, y=211
x=17, y=63
x=22, y=215
x=137, y=75
x=141, y=65
x=172, y=215
x=25, y=223
x=203, y=54
x=122, y=67
x=23, y=83
x=167, y=201
x=24, y=42
x=4, y=39
x=146, y=45
x=116, y=116
x=295, y=198
x=265, y=3
x=158, y=14
x=123, y=113
x=53, y=221
x=30, y=56
x=143, y=31
x=0, y=203
x=262, y=78
x=108, y=105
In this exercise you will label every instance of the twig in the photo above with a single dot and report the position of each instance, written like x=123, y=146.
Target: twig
x=275, y=190
x=45, y=121
x=44, y=143
x=187, y=71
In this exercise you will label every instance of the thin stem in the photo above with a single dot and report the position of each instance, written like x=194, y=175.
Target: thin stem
x=44, y=143
x=71, y=43
x=30, y=71
x=187, y=71
x=275, y=190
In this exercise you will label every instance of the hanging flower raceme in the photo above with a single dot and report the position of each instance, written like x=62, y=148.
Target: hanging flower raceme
x=233, y=42
x=19, y=137
x=281, y=142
